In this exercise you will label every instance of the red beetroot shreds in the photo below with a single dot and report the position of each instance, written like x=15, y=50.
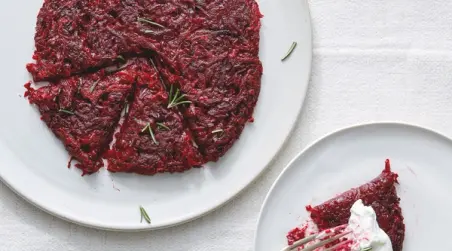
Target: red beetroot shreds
x=212, y=59
x=83, y=111
x=379, y=193
x=153, y=138
x=220, y=74
x=219, y=112
x=73, y=36
x=296, y=234
x=222, y=80
x=217, y=37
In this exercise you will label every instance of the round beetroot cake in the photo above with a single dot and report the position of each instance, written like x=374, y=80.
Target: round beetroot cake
x=196, y=78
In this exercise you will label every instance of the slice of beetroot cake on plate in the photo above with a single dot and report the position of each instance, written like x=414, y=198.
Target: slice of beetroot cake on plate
x=83, y=111
x=220, y=74
x=222, y=82
x=153, y=138
x=218, y=113
x=380, y=193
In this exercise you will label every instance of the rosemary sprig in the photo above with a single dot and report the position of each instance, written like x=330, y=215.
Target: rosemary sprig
x=366, y=249
x=161, y=125
x=66, y=111
x=144, y=215
x=291, y=49
x=149, y=21
x=151, y=132
x=94, y=86
x=176, y=98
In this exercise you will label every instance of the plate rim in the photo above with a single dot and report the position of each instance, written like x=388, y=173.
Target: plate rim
x=326, y=137
x=189, y=217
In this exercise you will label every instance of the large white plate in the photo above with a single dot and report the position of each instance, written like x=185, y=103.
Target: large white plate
x=353, y=156
x=33, y=162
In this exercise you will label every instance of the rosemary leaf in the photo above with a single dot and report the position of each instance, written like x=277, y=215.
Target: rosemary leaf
x=161, y=125
x=144, y=215
x=153, y=136
x=146, y=127
x=291, y=49
x=151, y=132
x=145, y=20
x=179, y=98
x=366, y=249
x=66, y=111
x=149, y=32
x=126, y=109
x=160, y=76
x=153, y=64
x=182, y=102
x=94, y=86
x=175, y=96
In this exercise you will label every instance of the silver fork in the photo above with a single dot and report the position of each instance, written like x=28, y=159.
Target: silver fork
x=327, y=236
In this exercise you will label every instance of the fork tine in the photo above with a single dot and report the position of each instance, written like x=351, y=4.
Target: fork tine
x=325, y=233
x=337, y=245
x=325, y=242
x=300, y=242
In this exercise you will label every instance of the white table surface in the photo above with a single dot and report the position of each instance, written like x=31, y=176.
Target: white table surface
x=373, y=61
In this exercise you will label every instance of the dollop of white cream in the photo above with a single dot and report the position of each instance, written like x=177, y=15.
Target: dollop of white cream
x=365, y=231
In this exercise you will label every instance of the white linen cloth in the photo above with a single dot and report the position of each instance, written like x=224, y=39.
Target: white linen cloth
x=374, y=60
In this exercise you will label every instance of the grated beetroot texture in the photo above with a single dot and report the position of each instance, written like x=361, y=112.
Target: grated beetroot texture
x=76, y=35
x=82, y=110
x=380, y=193
x=296, y=234
x=227, y=104
x=135, y=150
x=206, y=48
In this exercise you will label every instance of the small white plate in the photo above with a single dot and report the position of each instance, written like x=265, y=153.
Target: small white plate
x=33, y=162
x=353, y=156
